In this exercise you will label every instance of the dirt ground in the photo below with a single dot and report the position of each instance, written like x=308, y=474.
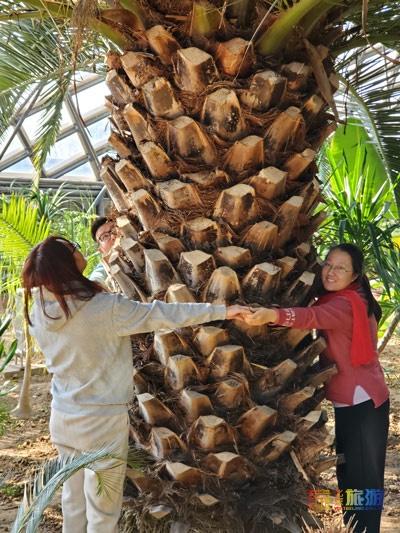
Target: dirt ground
x=25, y=444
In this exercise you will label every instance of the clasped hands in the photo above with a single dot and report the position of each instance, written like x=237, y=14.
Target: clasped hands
x=254, y=316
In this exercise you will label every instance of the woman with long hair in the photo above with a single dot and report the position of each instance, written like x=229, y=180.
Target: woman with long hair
x=346, y=316
x=84, y=333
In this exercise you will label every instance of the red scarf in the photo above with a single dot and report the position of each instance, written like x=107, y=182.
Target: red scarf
x=362, y=351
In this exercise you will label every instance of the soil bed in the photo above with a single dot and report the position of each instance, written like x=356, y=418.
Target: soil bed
x=25, y=444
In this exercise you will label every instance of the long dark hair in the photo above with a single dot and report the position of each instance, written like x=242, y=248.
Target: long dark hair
x=51, y=264
x=357, y=260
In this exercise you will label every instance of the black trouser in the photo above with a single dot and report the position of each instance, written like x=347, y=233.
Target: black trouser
x=361, y=435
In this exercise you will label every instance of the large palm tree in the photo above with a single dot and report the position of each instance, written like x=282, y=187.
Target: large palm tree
x=218, y=110
x=38, y=59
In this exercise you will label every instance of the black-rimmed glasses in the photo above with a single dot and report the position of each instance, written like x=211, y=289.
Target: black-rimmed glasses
x=105, y=237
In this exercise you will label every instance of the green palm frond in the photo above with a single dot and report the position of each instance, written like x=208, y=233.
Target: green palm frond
x=6, y=354
x=382, y=25
x=36, y=60
x=356, y=196
x=371, y=93
x=359, y=204
x=277, y=35
x=49, y=125
x=386, y=263
x=29, y=45
x=20, y=230
x=51, y=203
x=29, y=9
x=40, y=490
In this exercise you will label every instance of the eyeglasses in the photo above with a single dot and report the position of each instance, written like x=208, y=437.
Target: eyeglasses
x=105, y=237
x=75, y=246
x=336, y=268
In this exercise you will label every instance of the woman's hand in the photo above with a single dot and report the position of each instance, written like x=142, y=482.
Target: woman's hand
x=238, y=312
x=261, y=315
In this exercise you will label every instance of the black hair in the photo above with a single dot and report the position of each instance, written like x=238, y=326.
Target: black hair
x=357, y=260
x=96, y=224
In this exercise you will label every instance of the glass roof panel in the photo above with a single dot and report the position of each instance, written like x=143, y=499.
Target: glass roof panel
x=66, y=120
x=22, y=168
x=15, y=148
x=83, y=172
x=69, y=148
x=32, y=123
x=91, y=100
x=99, y=132
x=77, y=153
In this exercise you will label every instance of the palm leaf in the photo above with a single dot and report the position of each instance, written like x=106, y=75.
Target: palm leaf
x=6, y=354
x=30, y=68
x=359, y=211
x=39, y=491
x=382, y=25
x=385, y=260
x=20, y=230
x=52, y=203
x=370, y=92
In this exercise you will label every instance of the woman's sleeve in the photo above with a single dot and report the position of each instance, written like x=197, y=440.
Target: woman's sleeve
x=335, y=314
x=132, y=317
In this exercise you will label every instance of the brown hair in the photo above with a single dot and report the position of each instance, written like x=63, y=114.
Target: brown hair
x=51, y=264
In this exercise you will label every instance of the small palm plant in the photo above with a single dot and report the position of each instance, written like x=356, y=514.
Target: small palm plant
x=360, y=204
x=357, y=192
x=40, y=489
x=6, y=353
x=26, y=218
x=20, y=230
x=386, y=265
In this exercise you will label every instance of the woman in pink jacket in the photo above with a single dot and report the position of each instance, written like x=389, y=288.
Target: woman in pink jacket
x=346, y=316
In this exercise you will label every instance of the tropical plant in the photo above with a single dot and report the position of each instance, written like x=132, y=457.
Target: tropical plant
x=51, y=203
x=7, y=352
x=217, y=112
x=75, y=225
x=368, y=95
x=32, y=30
x=40, y=490
x=361, y=208
x=386, y=265
x=354, y=150
x=20, y=230
x=357, y=200
x=26, y=219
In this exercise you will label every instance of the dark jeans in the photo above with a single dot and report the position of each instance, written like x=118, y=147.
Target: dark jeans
x=361, y=435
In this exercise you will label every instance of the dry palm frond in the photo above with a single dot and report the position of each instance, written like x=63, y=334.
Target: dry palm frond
x=259, y=508
x=84, y=13
x=335, y=526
